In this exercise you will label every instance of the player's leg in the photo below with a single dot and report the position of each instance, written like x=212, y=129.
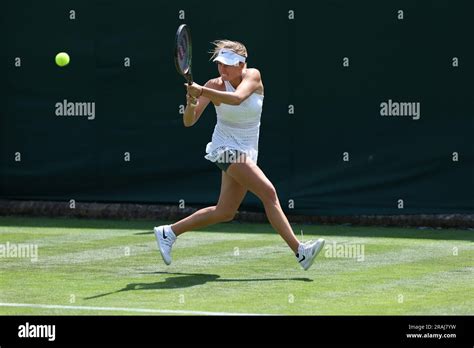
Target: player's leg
x=232, y=194
x=249, y=175
x=230, y=198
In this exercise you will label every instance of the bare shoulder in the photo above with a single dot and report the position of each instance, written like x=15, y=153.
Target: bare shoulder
x=216, y=83
x=253, y=73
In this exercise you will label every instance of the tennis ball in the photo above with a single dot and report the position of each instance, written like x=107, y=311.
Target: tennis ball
x=62, y=59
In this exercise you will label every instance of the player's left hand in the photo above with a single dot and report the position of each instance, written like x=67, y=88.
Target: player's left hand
x=194, y=90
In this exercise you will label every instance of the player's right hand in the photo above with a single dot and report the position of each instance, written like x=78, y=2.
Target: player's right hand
x=191, y=100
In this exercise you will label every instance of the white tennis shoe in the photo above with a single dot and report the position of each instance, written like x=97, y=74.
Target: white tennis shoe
x=308, y=251
x=165, y=239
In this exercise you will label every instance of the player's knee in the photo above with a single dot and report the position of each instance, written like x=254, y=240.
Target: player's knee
x=224, y=216
x=269, y=195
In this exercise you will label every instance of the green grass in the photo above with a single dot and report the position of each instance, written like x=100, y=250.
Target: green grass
x=103, y=263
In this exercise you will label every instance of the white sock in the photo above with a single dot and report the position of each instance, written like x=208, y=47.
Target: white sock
x=300, y=249
x=170, y=231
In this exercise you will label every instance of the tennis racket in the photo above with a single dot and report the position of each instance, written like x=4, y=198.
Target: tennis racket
x=183, y=53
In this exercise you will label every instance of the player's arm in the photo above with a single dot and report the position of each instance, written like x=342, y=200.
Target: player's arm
x=194, y=111
x=250, y=83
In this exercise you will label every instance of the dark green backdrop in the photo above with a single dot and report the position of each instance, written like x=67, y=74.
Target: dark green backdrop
x=337, y=109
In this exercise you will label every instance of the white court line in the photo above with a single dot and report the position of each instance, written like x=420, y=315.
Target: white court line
x=121, y=309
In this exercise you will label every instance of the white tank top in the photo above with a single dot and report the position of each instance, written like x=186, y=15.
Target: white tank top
x=237, y=127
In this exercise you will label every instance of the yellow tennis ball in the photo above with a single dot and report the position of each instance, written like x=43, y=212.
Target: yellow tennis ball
x=62, y=59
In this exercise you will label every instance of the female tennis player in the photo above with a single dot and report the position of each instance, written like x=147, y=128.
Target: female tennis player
x=237, y=95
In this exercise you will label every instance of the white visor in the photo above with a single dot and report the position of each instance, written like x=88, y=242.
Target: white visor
x=229, y=57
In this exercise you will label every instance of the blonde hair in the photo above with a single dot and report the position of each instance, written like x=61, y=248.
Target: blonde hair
x=234, y=46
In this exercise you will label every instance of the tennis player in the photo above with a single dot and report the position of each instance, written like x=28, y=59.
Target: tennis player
x=237, y=95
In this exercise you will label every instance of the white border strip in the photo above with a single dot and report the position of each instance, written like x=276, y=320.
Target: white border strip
x=121, y=309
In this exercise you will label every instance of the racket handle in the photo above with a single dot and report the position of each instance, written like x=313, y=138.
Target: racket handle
x=189, y=77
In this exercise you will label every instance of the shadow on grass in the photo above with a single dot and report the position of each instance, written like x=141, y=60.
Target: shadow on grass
x=186, y=280
x=145, y=227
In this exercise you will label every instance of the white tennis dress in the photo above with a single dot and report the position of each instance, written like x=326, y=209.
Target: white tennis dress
x=237, y=128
